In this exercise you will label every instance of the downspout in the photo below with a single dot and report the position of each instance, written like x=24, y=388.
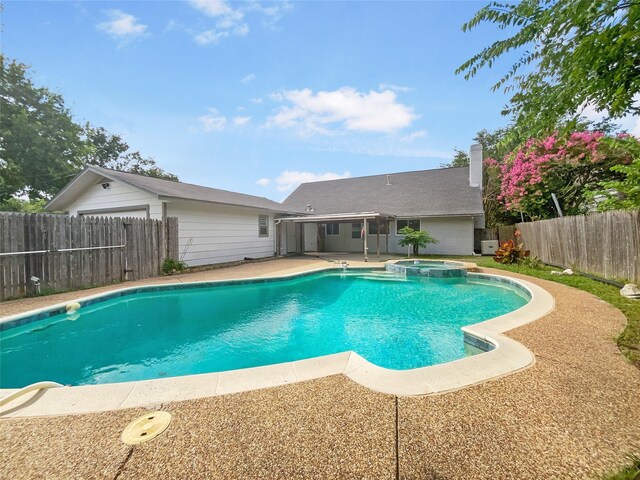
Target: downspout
x=276, y=229
x=366, y=248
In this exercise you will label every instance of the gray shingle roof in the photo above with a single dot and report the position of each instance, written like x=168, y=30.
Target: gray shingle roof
x=168, y=188
x=443, y=191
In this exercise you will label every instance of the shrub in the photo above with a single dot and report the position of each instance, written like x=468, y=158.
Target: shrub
x=171, y=266
x=415, y=238
x=509, y=252
x=531, y=262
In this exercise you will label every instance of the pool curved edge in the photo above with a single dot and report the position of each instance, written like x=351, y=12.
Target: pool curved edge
x=507, y=357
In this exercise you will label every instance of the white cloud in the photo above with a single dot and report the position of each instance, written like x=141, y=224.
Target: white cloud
x=271, y=14
x=212, y=8
x=395, y=88
x=213, y=121
x=288, y=180
x=346, y=107
x=249, y=78
x=122, y=26
x=230, y=21
x=210, y=36
x=263, y=181
x=413, y=135
x=239, y=121
x=257, y=101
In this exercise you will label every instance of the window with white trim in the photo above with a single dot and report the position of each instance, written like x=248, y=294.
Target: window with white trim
x=263, y=225
x=413, y=223
x=356, y=230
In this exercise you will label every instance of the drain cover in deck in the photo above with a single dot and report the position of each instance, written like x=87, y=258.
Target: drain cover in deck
x=146, y=427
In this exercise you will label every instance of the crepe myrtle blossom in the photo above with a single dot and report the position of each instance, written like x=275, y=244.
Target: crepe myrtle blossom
x=523, y=171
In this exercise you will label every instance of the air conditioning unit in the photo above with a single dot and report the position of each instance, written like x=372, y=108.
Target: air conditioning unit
x=489, y=247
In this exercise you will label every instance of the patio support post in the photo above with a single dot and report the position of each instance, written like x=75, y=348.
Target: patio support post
x=378, y=238
x=365, y=239
x=387, y=234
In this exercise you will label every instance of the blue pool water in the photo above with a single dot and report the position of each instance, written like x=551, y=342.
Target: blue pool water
x=392, y=321
x=429, y=264
x=428, y=268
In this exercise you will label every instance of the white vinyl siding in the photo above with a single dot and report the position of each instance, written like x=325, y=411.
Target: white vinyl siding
x=210, y=233
x=118, y=195
x=455, y=236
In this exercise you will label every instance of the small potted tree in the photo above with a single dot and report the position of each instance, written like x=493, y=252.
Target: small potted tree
x=415, y=238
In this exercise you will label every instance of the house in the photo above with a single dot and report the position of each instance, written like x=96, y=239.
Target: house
x=361, y=214
x=215, y=226
x=366, y=213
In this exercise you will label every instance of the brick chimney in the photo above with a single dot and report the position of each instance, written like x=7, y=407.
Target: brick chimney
x=475, y=166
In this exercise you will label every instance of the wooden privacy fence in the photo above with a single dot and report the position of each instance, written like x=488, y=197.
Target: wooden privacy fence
x=55, y=253
x=605, y=244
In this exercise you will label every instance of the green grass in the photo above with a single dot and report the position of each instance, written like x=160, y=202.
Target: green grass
x=628, y=472
x=628, y=340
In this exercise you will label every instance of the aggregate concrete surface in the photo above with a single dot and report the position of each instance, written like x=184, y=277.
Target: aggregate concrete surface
x=574, y=414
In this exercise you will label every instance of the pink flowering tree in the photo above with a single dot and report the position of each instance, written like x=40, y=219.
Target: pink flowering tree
x=570, y=166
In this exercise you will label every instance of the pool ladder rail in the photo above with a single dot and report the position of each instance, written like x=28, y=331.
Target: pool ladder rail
x=29, y=388
x=341, y=263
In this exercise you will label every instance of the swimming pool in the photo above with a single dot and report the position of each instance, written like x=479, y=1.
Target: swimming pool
x=392, y=321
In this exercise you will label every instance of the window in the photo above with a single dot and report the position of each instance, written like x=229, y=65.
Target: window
x=373, y=227
x=356, y=228
x=411, y=223
x=263, y=225
x=333, y=229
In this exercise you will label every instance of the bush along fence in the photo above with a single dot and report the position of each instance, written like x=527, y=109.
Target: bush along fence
x=605, y=244
x=53, y=253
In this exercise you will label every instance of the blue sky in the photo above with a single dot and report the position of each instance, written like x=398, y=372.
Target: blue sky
x=255, y=96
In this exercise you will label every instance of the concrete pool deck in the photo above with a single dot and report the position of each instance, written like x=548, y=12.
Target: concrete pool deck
x=573, y=414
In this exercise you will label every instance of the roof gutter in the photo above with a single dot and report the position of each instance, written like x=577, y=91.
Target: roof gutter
x=335, y=217
x=273, y=210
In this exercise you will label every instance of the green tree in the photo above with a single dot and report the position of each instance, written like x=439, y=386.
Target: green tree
x=415, y=238
x=621, y=194
x=19, y=205
x=575, y=53
x=495, y=146
x=41, y=148
x=460, y=159
x=111, y=151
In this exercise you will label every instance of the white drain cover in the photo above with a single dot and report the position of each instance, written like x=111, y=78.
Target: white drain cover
x=146, y=427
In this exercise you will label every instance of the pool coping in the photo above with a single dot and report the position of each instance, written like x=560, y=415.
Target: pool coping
x=506, y=357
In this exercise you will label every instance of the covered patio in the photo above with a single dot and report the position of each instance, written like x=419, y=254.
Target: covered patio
x=296, y=234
